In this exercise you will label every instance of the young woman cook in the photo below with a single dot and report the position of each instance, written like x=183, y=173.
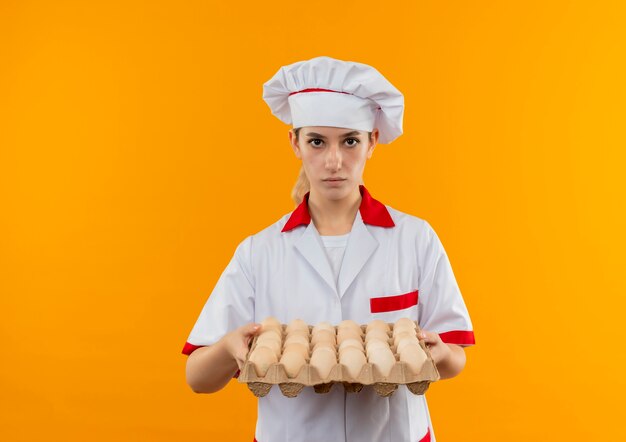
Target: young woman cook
x=341, y=254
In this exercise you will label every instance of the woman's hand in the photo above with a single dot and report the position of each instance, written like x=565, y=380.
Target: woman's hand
x=449, y=358
x=211, y=367
x=439, y=350
x=237, y=342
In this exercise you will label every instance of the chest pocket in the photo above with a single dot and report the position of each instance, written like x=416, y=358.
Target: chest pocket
x=394, y=307
x=392, y=303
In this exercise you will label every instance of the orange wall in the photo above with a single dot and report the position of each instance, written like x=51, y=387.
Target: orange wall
x=136, y=152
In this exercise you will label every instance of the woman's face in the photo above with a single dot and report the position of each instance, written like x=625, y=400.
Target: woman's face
x=333, y=157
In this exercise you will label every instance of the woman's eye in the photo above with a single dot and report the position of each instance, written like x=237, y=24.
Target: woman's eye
x=314, y=142
x=317, y=142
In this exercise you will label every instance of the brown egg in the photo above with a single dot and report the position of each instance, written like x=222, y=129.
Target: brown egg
x=347, y=333
x=377, y=324
x=323, y=336
x=353, y=360
x=297, y=347
x=324, y=326
x=297, y=337
x=376, y=343
x=324, y=344
x=323, y=360
x=321, y=347
x=304, y=333
x=262, y=358
x=271, y=329
x=299, y=331
x=271, y=322
x=349, y=324
x=406, y=341
x=414, y=356
x=404, y=323
x=269, y=335
x=376, y=334
x=383, y=359
x=296, y=330
x=293, y=362
x=356, y=343
x=274, y=345
x=297, y=324
x=402, y=329
x=402, y=335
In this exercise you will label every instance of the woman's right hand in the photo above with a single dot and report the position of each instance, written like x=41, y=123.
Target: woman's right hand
x=210, y=368
x=237, y=342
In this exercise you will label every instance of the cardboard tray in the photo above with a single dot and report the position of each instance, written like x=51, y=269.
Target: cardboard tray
x=308, y=376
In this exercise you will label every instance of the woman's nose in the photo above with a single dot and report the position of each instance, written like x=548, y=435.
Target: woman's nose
x=333, y=158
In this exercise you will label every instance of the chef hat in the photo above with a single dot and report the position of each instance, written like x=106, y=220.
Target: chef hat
x=324, y=91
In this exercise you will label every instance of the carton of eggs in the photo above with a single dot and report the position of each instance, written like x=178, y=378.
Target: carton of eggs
x=296, y=355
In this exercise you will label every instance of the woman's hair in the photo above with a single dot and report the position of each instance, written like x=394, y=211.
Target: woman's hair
x=302, y=185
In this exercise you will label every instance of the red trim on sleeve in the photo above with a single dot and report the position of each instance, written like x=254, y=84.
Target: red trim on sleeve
x=392, y=303
x=461, y=337
x=190, y=348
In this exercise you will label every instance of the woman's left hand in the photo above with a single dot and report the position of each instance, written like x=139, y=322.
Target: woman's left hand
x=439, y=350
x=449, y=358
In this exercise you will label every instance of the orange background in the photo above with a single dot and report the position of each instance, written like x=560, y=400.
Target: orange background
x=136, y=152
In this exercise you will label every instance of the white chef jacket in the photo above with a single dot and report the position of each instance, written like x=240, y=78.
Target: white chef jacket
x=394, y=266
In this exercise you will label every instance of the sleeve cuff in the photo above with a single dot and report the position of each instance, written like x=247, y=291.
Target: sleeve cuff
x=459, y=337
x=190, y=348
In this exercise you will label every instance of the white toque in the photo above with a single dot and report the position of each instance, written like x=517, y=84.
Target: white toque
x=324, y=91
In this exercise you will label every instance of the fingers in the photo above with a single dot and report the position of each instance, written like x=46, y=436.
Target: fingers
x=429, y=337
x=251, y=329
x=247, y=332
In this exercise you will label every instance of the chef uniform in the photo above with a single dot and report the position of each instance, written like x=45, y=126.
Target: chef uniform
x=393, y=266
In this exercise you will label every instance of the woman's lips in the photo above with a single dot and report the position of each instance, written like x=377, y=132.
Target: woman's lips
x=334, y=181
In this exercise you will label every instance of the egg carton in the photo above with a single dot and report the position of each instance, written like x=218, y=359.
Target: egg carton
x=308, y=376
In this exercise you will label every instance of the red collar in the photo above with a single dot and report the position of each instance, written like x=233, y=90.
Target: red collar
x=372, y=211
